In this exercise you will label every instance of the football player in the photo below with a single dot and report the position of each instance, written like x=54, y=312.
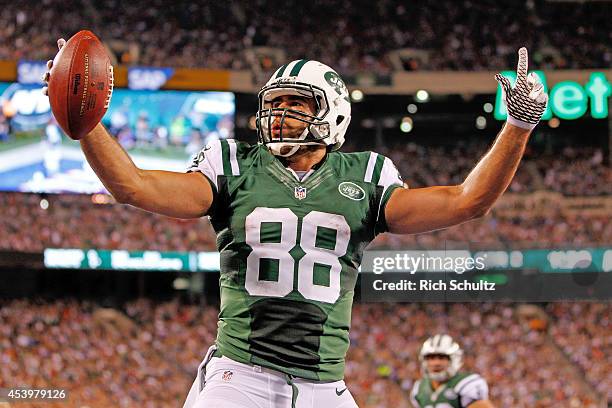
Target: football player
x=443, y=385
x=292, y=216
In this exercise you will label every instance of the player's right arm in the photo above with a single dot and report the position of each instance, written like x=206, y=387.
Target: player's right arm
x=180, y=195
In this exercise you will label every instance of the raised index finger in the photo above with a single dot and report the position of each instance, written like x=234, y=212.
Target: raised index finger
x=523, y=61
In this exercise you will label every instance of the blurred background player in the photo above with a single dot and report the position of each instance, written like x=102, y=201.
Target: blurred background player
x=442, y=384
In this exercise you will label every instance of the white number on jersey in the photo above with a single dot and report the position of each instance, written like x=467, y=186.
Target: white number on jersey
x=286, y=264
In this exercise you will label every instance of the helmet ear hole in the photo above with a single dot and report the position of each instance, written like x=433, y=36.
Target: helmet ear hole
x=339, y=119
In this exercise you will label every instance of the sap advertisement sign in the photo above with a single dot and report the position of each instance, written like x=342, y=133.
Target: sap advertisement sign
x=145, y=78
x=31, y=72
x=567, y=99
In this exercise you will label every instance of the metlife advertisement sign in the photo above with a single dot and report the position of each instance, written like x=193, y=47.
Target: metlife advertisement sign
x=567, y=99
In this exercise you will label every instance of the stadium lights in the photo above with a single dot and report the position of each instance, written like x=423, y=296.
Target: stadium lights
x=412, y=108
x=368, y=123
x=554, y=123
x=406, y=125
x=422, y=95
x=180, y=284
x=389, y=122
x=102, y=199
x=481, y=122
x=357, y=95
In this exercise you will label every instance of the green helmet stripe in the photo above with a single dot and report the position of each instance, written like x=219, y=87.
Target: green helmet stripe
x=280, y=71
x=297, y=67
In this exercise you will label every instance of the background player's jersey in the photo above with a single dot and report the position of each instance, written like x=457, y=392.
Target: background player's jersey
x=290, y=252
x=458, y=392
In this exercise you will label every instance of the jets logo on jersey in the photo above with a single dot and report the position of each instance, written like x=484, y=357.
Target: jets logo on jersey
x=300, y=192
x=351, y=190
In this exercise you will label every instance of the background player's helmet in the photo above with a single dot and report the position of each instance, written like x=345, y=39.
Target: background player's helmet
x=310, y=79
x=442, y=344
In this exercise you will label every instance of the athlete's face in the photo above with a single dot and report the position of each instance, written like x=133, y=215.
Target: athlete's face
x=437, y=363
x=292, y=128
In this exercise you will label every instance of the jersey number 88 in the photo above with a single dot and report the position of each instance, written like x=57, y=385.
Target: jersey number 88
x=286, y=263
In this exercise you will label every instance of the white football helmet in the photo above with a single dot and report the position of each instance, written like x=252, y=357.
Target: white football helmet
x=442, y=344
x=310, y=79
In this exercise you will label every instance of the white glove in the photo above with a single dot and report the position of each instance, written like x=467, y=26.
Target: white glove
x=526, y=102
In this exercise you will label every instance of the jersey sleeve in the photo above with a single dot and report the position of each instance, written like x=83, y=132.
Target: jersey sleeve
x=381, y=171
x=217, y=160
x=471, y=389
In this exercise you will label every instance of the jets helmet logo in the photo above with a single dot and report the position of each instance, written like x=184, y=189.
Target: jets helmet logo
x=337, y=83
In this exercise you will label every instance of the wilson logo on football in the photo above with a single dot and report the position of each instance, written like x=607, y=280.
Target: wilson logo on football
x=351, y=190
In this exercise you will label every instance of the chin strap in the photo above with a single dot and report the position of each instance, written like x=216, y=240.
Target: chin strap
x=276, y=148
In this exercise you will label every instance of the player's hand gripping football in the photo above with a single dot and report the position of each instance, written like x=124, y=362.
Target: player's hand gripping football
x=60, y=43
x=526, y=102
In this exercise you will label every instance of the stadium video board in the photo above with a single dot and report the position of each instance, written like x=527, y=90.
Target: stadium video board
x=160, y=130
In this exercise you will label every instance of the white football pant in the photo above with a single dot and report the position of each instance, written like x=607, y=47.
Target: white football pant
x=230, y=384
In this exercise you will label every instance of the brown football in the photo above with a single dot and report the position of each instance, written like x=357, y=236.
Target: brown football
x=80, y=84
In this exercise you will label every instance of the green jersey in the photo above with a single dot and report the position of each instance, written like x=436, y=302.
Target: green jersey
x=458, y=392
x=290, y=250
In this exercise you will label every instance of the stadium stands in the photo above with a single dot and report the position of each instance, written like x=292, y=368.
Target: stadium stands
x=582, y=330
x=455, y=36
x=27, y=227
x=146, y=352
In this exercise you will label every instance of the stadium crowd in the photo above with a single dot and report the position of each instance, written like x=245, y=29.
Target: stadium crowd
x=146, y=353
x=74, y=222
x=572, y=171
x=583, y=333
x=26, y=226
x=478, y=35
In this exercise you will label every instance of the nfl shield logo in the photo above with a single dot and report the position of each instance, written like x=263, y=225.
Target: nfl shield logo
x=227, y=376
x=300, y=193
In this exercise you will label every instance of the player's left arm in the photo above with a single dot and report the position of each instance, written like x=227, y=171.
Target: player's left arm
x=426, y=209
x=411, y=211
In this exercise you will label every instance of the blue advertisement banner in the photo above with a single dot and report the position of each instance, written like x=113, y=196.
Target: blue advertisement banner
x=31, y=72
x=160, y=130
x=146, y=78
